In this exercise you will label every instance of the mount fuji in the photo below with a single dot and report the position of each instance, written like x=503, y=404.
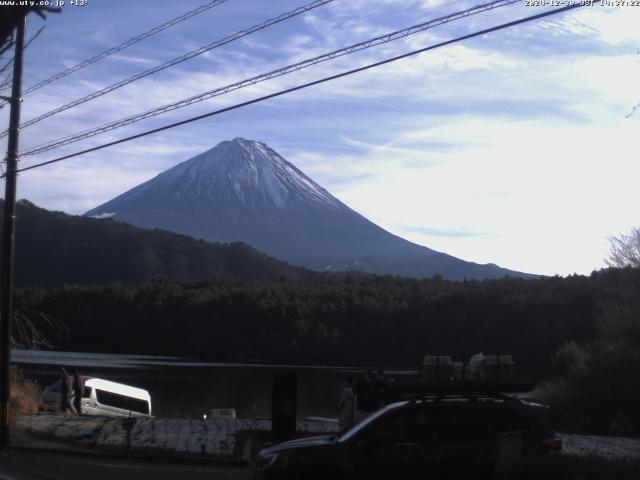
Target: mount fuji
x=242, y=190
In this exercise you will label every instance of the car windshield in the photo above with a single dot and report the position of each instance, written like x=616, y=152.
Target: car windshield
x=353, y=431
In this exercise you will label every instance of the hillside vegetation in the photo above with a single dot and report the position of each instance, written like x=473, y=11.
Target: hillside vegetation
x=338, y=318
x=53, y=249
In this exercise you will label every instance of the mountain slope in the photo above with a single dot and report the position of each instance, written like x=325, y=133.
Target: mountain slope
x=242, y=190
x=53, y=248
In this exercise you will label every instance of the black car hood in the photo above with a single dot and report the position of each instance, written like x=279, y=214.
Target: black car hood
x=300, y=443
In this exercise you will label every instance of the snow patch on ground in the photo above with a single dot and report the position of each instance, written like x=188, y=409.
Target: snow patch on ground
x=216, y=437
x=613, y=448
x=219, y=437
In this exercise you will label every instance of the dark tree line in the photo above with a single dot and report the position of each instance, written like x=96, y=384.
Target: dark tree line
x=335, y=318
x=579, y=334
x=594, y=385
x=53, y=248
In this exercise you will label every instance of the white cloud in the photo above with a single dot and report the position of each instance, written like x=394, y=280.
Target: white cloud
x=135, y=60
x=569, y=187
x=428, y=4
x=614, y=26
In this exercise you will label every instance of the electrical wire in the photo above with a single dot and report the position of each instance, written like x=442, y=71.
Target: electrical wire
x=177, y=60
x=123, y=45
x=5, y=67
x=637, y=105
x=6, y=83
x=306, y=85
x=8, y=44
x=398, y=34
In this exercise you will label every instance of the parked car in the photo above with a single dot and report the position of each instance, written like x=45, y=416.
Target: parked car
x=102, y=397
x=450, y=436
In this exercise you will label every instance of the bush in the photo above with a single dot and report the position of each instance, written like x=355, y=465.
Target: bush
x=25, y=394
x=595, y=386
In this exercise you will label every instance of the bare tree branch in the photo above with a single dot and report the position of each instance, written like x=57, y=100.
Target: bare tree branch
x=34, y=330
x=625, y=250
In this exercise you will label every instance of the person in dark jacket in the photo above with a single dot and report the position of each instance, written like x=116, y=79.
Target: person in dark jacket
x=66, y=391
x=365, y=396
x=78, y=391
x=383, y=387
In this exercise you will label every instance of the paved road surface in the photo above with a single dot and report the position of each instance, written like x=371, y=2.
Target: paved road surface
x=25, y=465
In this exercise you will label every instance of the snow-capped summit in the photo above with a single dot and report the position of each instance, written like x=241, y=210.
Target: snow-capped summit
x=242, y=190
x=248, y=170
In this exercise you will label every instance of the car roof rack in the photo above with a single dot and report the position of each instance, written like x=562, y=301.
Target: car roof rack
x=465, y=387
x=471, y=397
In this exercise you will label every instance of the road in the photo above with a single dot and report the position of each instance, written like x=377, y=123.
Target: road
x=30, y=465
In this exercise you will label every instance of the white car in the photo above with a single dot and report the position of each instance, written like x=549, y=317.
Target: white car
x=102, y=397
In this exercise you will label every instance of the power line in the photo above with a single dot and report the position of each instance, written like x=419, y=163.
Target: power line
x=306, y=85
x=6, y=66
x=177, y=60
x=123, y=45
x=6, y=83
x=269, y=75
x=637, y=105
x=7, y=45
x=35, y=35
x=26, y=45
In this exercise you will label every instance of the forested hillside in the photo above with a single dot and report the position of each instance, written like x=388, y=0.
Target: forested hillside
x=332, y=318
x=53, y=249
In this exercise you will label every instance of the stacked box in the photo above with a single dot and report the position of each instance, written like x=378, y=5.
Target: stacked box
x=228, y=413
x=481, y=367
x=487, y=370
x=470, y=372
x=496, y=367
x=458, y=369
x=506, y=364
x=438, y=367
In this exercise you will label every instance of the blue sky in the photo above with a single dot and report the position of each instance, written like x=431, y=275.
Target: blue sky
x=511, y=148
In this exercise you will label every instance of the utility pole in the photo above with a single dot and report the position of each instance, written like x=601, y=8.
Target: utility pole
x=8, y=238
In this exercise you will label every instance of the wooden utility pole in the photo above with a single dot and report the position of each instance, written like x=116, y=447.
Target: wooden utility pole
x=8, y=238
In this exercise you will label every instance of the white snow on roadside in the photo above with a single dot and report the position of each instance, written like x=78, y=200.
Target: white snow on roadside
x=216, y=437
x=613, y=448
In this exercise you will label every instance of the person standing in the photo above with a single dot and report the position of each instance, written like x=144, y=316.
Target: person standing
x=346, y=404
x=365, y=396
x=66, y=391
x=78, y=391
x=383, y=387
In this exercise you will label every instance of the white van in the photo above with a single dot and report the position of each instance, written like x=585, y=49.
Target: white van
x=102, y=397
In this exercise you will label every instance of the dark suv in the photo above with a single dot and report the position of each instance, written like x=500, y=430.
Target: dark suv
x=447, y=436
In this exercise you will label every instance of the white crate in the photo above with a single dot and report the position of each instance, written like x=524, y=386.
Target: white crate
x=229, y=413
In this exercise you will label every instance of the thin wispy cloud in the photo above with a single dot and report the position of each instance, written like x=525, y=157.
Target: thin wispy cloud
x=445, y=232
